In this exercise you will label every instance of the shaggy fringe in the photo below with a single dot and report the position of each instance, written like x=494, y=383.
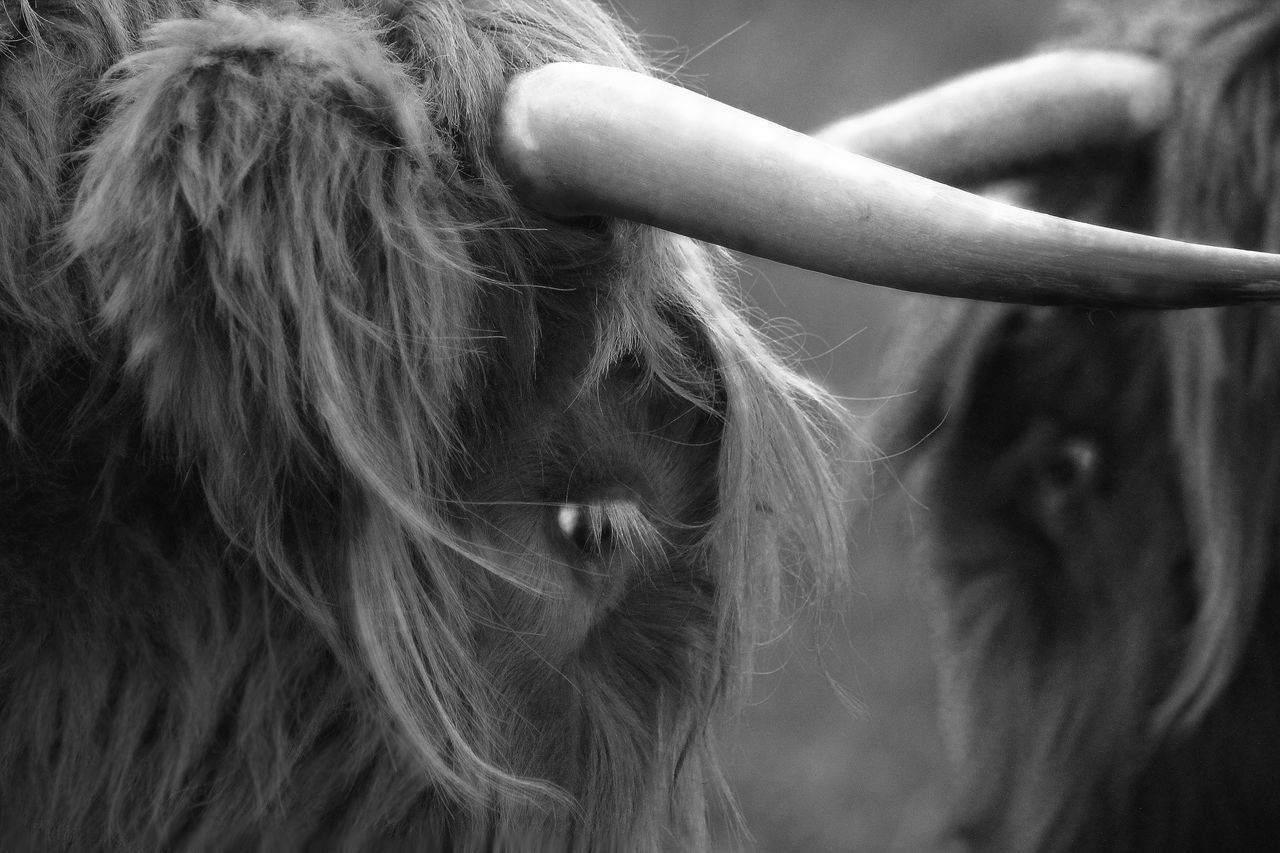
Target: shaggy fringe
x=273, y=330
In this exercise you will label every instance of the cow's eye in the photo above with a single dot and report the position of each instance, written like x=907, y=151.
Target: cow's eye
x=607, y=527
x=587, y=527
x=1072, y=466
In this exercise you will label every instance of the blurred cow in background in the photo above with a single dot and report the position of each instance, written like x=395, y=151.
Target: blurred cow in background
x=1101, y=489
x=350, y=501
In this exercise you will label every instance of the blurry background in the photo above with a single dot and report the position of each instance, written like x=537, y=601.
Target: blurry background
x=812, y=773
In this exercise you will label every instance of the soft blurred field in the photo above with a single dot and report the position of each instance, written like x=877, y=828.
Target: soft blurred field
x=813, y=773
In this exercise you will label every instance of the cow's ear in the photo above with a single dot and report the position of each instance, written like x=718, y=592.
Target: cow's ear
x=271, y=247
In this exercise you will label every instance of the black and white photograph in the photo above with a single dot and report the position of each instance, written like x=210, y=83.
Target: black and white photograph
x=747, y=426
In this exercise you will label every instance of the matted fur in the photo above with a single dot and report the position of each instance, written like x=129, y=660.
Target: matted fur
x=345, y=503
x=1101, y=494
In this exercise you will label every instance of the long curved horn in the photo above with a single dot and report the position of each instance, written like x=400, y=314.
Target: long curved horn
x=580, y=140
x=992, y=122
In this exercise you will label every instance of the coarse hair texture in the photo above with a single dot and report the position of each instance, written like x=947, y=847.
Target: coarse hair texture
x=347, y=503
x=1102, y=491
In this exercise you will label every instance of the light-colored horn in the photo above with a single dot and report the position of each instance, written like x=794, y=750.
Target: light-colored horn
x=993, y=122
x=579, y=140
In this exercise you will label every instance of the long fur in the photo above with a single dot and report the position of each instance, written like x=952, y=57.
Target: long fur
x=344, y=502
x=1101, y=493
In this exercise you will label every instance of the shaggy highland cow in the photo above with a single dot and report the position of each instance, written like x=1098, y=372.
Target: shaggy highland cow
x=349, y=500
x=1101, y=489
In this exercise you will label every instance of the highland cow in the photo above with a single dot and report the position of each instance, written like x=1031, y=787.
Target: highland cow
x=350, y=500
x=1099, y=489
